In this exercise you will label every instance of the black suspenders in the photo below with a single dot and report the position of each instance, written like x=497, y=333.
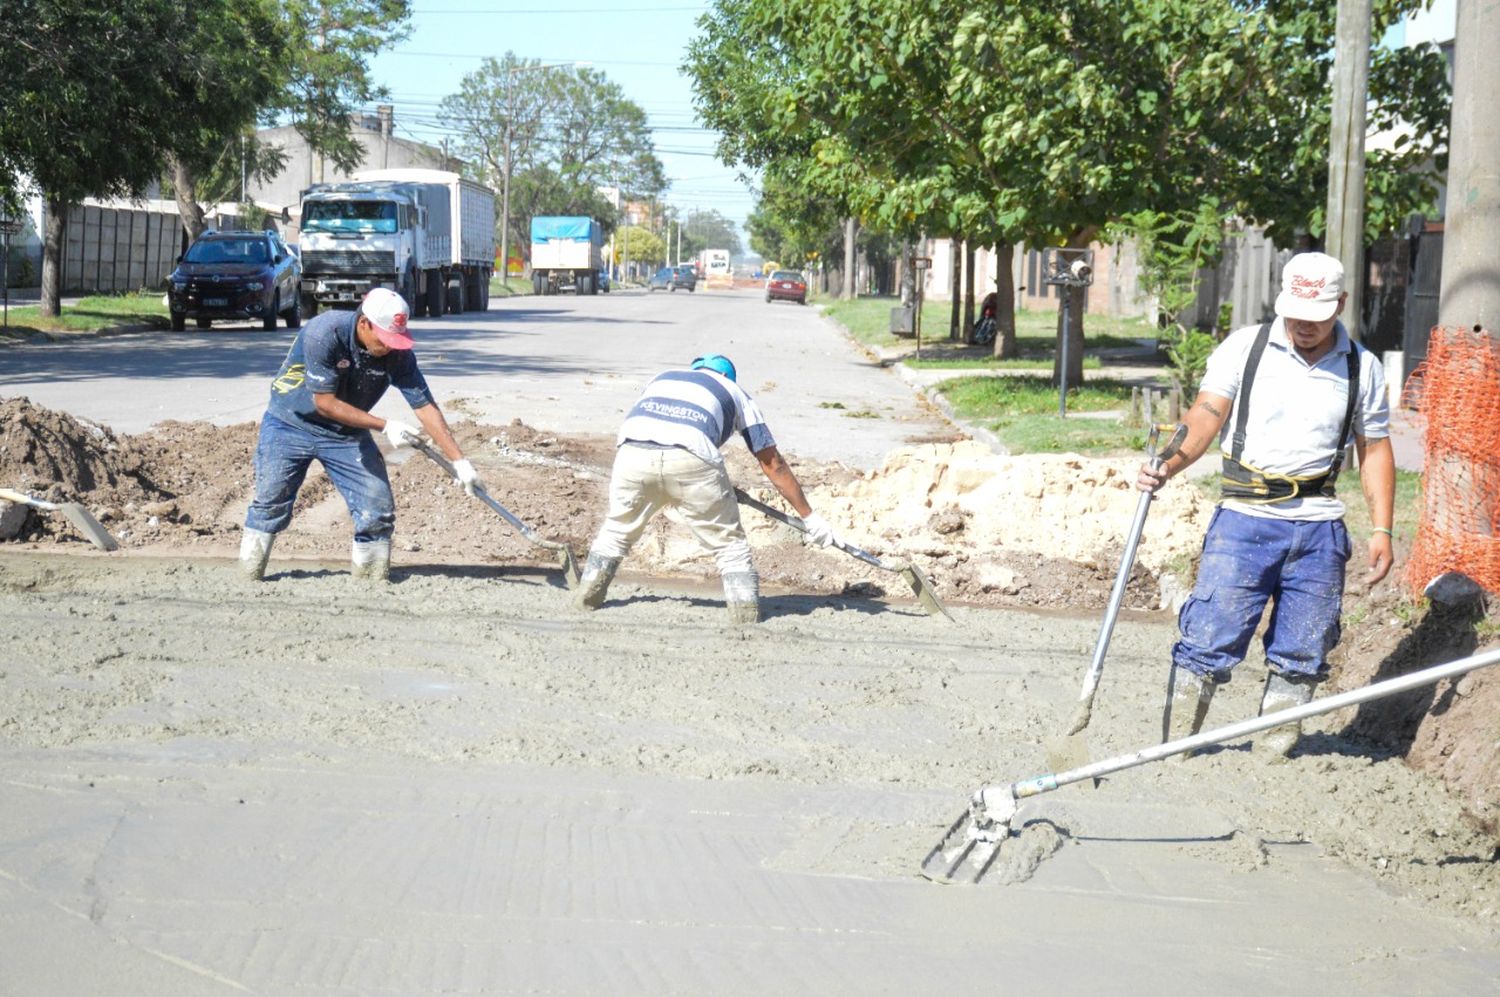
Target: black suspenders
x=1238, y=476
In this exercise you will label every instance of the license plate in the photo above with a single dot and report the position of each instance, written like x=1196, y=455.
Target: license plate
x=216, y=302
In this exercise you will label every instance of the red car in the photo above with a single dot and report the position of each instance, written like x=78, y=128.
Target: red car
x=786, y=285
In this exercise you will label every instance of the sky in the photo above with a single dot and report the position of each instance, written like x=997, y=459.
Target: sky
x=638, y=44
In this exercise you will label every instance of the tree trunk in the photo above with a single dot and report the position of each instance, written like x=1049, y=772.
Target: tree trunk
x=1005, y=302
x=955, y=287
x=968, y=293
x=52, y=244
x=1074, y=332
x=183, y=185
x=849, y=277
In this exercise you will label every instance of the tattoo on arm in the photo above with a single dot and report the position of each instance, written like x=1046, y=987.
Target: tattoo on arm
x=1208, y=406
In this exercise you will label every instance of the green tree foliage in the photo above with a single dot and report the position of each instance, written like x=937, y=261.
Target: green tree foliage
x=571, y=131
x=638, y=244
x=707, y=228
x=332, y=43
x=1044, y=123
x=243, y=48
x=94, y=96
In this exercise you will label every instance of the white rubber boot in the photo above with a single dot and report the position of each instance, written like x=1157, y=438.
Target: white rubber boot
x=593, y=584
x=255, y=550
x=1282, y=693
x=372, y=561
x=742, y=596
x=1188, y=707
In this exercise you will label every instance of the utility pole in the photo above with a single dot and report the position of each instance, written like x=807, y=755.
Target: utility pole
x=1470, y=294
x=850, y=228
x=510, y=115
x=1346, y=155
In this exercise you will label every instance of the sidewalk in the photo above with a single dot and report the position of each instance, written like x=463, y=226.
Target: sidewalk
x=1143, y=368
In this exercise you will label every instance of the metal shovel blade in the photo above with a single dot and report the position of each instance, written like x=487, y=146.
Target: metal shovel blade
x=83, y=520
x=569, y=564
x=924, y=591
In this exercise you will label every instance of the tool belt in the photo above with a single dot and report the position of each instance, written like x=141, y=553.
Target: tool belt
x=1246, y=483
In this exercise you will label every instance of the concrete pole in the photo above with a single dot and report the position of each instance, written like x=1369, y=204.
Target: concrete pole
x=847, y=292
x=1470, y=291
x=1346, y=154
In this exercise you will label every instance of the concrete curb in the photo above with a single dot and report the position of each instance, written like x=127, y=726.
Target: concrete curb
x=42, y=337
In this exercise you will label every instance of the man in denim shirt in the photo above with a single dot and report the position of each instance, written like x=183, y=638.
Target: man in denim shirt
x=339, y=366
x=1285, y=399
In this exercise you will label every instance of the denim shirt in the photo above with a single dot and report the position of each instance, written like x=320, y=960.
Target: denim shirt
x=326, y=358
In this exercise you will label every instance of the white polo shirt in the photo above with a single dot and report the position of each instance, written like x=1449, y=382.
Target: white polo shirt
x=1296, y=410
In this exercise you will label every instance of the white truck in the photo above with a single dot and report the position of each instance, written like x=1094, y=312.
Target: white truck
x=429, y=235
x=566, y=250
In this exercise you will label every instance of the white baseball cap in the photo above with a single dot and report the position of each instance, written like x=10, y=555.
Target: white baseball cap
x=1311, y=286
x=388, y=313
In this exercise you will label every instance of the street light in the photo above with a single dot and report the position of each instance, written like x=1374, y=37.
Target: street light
x=510, y=114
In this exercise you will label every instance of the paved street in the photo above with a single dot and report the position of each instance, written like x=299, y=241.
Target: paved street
x=563, y=363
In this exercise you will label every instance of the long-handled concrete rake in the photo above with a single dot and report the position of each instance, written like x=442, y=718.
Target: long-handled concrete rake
x=566, y=559
x=920, y=585
x=1071, y=750
x=967, y=850
x=83, y=520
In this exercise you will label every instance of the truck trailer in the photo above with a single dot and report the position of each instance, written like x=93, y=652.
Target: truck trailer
x=566, y=250
x=429, y=235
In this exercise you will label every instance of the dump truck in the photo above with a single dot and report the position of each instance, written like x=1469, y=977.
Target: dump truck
x=429, y=235
x=566, y=251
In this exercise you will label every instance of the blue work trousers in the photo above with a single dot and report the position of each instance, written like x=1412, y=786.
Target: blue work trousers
x=1248, y=561
x=353, y=464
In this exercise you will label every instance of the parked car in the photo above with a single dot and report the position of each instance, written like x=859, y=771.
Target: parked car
x=602, y=281
x=686, y=276
x=234, y=276
x=662, y=280
x=786, y=285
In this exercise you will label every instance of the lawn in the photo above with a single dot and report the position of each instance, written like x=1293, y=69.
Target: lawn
x=868, y=320
x=93, y=313
x=1022, y=411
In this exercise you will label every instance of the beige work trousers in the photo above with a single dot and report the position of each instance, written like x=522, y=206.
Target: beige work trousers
x=646, y=480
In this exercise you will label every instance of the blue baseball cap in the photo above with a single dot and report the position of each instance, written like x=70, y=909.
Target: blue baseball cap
x=716, y=362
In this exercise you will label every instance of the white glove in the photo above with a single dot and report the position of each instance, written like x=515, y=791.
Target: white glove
x=467, y=476
x=818, y=530
x=399, y=433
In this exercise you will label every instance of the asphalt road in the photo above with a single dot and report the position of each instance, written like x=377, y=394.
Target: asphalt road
x=564, y=364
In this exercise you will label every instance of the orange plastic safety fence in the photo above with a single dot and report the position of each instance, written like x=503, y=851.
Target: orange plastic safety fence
x=1456, y=390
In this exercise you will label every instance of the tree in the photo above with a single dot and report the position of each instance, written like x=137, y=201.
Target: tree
x=1036, y=123
x=91, y=103
x=243, y=50
x=569, y=131
x=332, y=42
x=641, y=244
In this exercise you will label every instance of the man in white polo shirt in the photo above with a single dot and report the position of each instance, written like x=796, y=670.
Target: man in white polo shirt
x=1284, y=399
x=667, y=453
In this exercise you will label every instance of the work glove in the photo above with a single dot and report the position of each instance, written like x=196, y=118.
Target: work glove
x=464, y=471
x=399, y=433
x=818, y=530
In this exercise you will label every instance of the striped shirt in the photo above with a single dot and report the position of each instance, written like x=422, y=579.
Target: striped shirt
x=697, y=410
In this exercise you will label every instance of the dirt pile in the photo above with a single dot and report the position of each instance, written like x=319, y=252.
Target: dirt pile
x=59, y=458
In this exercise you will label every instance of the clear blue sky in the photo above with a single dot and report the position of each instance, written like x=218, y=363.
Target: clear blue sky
x=638, y=44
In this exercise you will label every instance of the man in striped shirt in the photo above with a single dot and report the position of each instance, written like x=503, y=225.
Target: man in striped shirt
x=667, y=454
